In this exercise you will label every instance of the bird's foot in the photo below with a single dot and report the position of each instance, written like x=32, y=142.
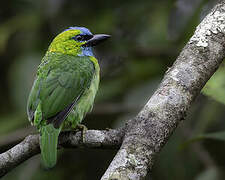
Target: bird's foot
x=83, y=129
x=108, y=129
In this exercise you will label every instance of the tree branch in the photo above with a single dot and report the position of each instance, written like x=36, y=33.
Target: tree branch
x=147, y=133
x=29, y=147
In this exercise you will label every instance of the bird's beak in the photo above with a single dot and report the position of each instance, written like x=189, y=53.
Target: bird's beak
x=96, y=39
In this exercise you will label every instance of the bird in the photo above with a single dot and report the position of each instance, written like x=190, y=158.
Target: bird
x=64, y=88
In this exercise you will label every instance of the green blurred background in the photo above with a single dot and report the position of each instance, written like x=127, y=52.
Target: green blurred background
x=147, y=36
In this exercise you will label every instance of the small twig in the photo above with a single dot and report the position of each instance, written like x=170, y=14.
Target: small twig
x=14, y=137
x=108, y=139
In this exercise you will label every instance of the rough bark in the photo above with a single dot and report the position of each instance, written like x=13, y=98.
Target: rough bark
x=29, y=147
x=147, y=133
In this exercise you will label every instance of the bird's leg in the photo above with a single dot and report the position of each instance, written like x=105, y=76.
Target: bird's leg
x=83, y=129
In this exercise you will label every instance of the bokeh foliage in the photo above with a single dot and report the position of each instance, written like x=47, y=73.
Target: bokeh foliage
x=146, y=38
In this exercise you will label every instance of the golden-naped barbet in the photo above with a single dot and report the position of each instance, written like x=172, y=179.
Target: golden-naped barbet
x=65, y=87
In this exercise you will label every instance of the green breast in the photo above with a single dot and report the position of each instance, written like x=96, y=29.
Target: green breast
x=61, y=81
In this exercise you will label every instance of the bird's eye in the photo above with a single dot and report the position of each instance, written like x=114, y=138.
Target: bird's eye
x=78, y=38
x=82, y=37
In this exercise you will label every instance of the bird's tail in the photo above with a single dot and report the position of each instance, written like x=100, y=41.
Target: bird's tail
x=48, y=145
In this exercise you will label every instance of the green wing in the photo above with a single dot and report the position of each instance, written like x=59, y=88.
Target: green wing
x=60, y=82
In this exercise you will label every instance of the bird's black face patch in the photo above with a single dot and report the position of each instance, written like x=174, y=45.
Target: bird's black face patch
x=82, y=38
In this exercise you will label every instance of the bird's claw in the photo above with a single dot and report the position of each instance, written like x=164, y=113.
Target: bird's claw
x=83, y=129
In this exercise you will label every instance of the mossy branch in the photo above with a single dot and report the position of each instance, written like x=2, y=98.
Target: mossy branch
x=147, y=133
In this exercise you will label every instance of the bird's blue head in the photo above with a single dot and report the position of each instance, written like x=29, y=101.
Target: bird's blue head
x=76, y=41
x=83, y=30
